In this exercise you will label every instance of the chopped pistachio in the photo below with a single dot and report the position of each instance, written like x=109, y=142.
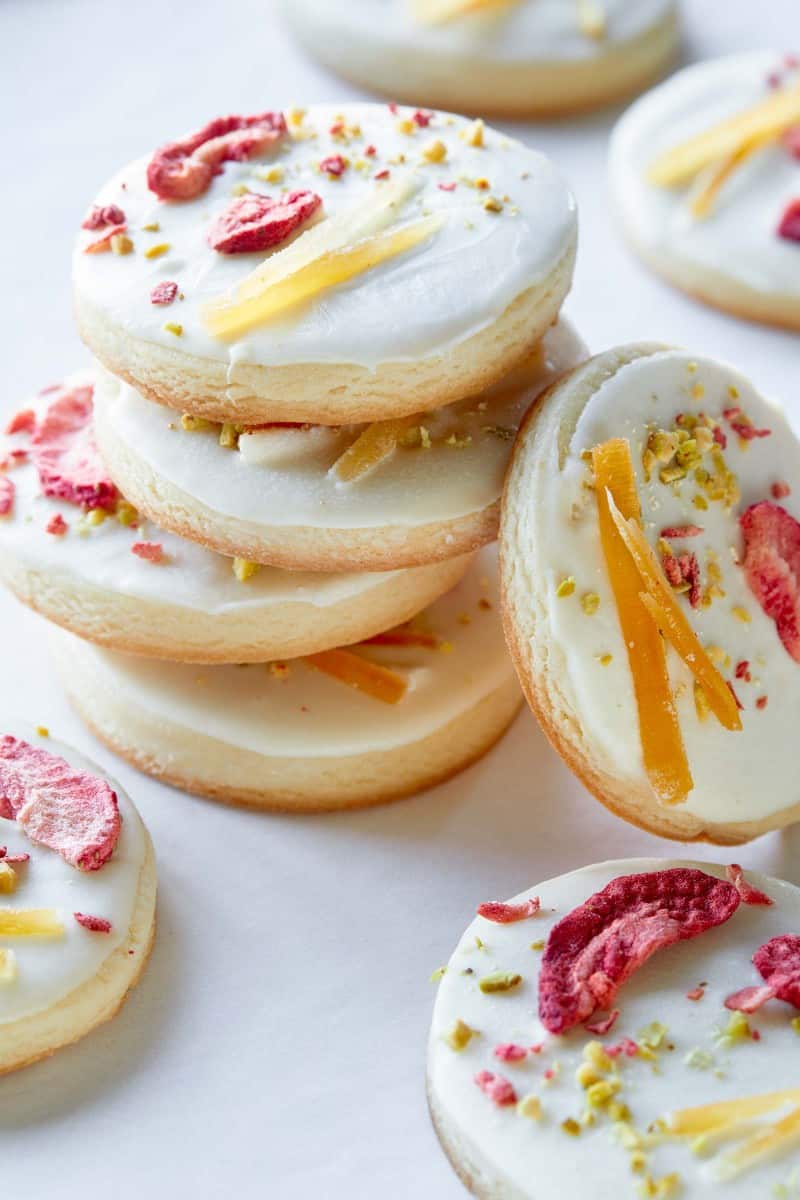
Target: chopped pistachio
x=795, y=1024
x=194, y=424
x=157, y=250
x=500, y=981
x=586, y=1075
x=571, y=1126
x=699, y=1060
x=493, y=205
x=539, y=944
x=438, y=974
x=473, y=134
x=95, y=516
x=243, y=569
x=151, y=227
x=174, y=328
x=434, y=151
x=741, y=614
x=459, y=1035
x=566, y=587
x=594, y=1053
x=125, y=513
x=598, y=1094
x=229, y=436
x=590, y=602
x=530, y=1106
x=42, y=731
x=8, y=878
x=121, y=244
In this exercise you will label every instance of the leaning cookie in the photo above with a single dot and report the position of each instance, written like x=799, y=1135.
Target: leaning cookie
x=559, y=1054
x=344, y=264
x=650, y=560
x=705, y=174
x=78, y=886
x=76, y=551
x=526, y=58
x=342, y=729
x=365, y=498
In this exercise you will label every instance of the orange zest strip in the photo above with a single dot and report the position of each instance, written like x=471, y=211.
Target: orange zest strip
x=372, y=447
x=403, y=637
x=662, y=744
x=664, y=609
x=770, y=117
x=436, y=12
x=30, y=922
x=690, y=1122
x=767, y=1143
x=378, y=682
x=703, y=202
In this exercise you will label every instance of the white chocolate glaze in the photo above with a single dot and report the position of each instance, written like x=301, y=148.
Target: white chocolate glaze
x=308, y=713
x=414, y=487
x=538, y=1157
x=190, y=576
x=738, y=239
x=415, y=305
x=49, y=969
x=743, y=776
x=527, y=31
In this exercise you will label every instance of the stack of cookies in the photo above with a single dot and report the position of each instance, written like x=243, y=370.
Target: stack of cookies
x=317, y=334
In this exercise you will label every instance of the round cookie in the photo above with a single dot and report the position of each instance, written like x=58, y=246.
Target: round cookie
x=527, y=1114
x=190, y=604
x=442, y=250
x=717, y=215
x=648, y=722
x=524, y=59
x=77, y=865
x=279, y=497
x=293, y=737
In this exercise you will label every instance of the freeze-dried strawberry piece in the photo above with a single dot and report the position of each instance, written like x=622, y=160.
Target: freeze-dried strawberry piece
x=56, y=525
x=510, y=1052
x=7, y=490
x=780, y=489
x=65, y=454
x=93, y=924
x=748, y=893
x=778, y=964
x=22, y=422
x=103, y=242
x=499, y=1090
x=256, y=222
x=505, y=914
x=100, y=215
x=791, y=140
x=592, y=951
x=601, y=1028
x=183, y=170
x=150, y=551
x=164, y=293
x=69, y=811
x=789, y=224
x=626, y=1046
x=681, y=531
x=333, y=165
x=772, y=567
x=743, y=426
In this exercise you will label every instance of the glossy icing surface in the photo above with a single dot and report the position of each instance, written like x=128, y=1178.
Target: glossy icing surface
x=691, y=1066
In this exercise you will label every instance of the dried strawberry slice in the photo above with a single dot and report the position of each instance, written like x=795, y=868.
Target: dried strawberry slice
x=93, y=924
x=255, y=222
x=506, y=914
x=778, y=963
x=772, y=567
x=22, y=422
x=7, y=490
x=70, y=811
x=789, y=224
x=749, y=894
x=184, y=169
x=592, y=951
x=65, y=454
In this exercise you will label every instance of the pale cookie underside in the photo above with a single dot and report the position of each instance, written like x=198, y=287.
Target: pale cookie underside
x=32, y=1038
x=545, y=435
x=327, y=393
x=254, y=633
x=538, y=87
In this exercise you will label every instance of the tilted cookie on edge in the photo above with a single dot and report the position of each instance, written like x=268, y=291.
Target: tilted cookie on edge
x=650, y=552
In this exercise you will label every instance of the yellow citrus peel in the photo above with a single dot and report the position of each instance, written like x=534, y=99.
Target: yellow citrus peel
x=767, y=119
x=691, y=1122
x=662, y=745
x=437, y=12
x=714, y=177
x=372, y=447
x=373, y=680
x=766, y=1143
x=666, y=612
x=403, y=637
x=30, y=922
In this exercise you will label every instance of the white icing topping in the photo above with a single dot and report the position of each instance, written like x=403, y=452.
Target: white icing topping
x=310, y=714
x=190, y=576
x=413, y=305
x=414, y=487
x=539, y=1158
x=743, y=776
x=49, y=969
x=738, y=239
x=526, y=31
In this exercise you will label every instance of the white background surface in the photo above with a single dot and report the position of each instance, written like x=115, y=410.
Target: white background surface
x=276, y=1045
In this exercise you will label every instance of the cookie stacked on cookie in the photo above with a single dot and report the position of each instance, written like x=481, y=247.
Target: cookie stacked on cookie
x=317, y=334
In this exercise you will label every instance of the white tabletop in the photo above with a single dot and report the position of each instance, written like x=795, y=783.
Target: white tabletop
x=276, y=1044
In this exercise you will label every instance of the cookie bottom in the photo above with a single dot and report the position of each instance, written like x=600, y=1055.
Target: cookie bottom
x=26, y=1041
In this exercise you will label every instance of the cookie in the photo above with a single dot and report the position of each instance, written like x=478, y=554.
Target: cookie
x=318, y=498
x=109, y=575
x=705, y=176
x=78, y=885
x=651, y=556
x=529, y=58
x=340, y=264
x=655, y=1083
x=339, y=730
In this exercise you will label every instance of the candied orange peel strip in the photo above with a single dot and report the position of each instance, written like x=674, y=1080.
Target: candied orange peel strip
x=373, y=680
x=30, y=922
x=767, y=119
x=766, y=1143
x=437, y=12
x=662, y=744
x=403, y=637
x=712, y=181
x=664, y=609
x=373, y=446
x=704, y=1118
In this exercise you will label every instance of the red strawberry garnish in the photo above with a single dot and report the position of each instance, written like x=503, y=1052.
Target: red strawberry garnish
x=772, y=567
x=255, y=222
x=789, y=226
